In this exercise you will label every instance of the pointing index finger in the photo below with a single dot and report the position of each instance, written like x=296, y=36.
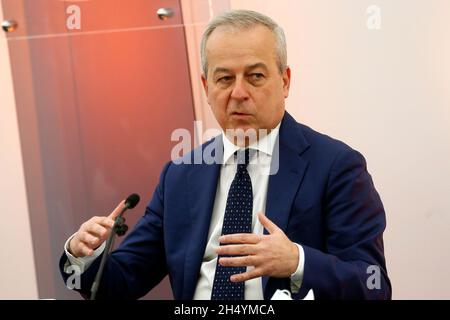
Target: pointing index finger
x=113, y=215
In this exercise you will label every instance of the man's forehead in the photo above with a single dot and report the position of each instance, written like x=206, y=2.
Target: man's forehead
x=231, y=49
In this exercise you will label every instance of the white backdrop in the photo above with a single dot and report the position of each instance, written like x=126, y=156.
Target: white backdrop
x=17, y=269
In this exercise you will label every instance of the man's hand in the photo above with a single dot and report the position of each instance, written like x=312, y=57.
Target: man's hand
x=93, y=233
x=272, y=255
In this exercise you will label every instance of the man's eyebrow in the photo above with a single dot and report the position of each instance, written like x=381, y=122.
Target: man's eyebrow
x=220, y=69
x=248, y=67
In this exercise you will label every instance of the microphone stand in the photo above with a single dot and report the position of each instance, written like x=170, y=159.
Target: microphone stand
x=119, y=228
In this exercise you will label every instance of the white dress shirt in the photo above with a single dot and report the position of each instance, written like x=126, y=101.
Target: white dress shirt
x=258, y=169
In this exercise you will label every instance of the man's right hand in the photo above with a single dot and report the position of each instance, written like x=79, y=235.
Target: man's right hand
x=93, y=233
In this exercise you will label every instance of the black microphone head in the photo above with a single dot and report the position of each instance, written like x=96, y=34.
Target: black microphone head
x=132, y=200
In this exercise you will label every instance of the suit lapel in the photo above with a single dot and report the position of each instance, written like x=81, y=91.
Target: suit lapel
x=201, y=188
x=284, y=182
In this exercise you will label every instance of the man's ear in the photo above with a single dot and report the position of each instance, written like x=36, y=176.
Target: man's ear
x=205, y=85
x=286, y=81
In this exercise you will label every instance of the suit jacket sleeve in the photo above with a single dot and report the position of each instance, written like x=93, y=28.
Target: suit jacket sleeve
x=354, y=223
x=139, y=263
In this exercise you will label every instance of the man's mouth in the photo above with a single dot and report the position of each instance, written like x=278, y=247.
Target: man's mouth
x=240, y=114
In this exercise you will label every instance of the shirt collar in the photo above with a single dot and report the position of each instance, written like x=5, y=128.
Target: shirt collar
x=265, y=144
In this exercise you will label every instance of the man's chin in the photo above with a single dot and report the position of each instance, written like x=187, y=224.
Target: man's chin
x=242, y=129
x=242, y=135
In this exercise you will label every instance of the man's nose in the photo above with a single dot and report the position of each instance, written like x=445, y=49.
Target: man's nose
x=239, y=90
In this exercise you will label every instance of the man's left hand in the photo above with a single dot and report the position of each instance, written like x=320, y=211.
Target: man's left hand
x=272, y=255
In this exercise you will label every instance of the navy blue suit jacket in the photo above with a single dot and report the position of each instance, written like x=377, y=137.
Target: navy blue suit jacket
x=322, y=197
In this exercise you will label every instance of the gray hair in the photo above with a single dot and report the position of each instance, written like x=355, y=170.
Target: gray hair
x=246, y=19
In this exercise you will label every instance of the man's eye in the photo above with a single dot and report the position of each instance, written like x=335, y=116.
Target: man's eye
x=257, y=76
x=224, y=79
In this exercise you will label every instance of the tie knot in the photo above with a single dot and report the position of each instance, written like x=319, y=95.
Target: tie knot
x=243, y=158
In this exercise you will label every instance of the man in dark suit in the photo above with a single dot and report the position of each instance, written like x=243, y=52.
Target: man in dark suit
x=304, y=216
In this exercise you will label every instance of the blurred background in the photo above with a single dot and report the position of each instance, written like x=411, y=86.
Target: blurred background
x=91, y=91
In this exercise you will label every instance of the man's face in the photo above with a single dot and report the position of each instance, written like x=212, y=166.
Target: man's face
x=244, y=86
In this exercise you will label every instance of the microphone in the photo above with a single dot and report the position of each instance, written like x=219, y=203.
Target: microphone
x=119, y=228
x=132, y=201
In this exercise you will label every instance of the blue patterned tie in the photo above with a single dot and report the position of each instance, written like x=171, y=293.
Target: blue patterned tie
x=237, y=219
